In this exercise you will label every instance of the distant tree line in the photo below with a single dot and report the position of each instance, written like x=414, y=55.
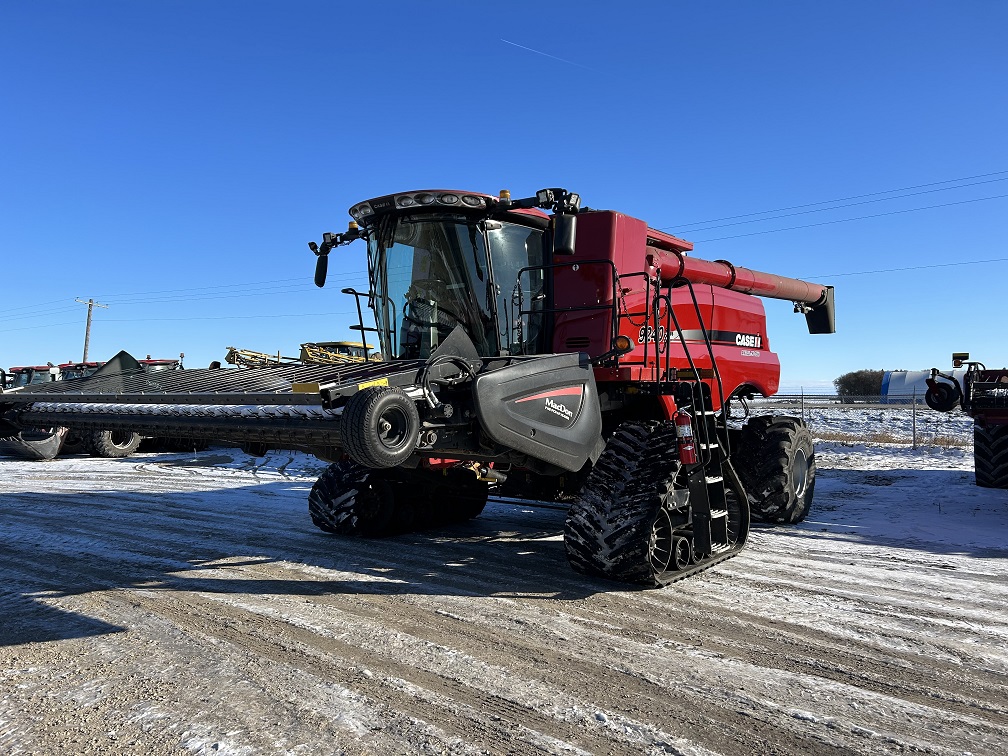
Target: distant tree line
x=859, y=383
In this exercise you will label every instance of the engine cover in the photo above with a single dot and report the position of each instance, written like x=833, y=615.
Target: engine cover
x=546, y=407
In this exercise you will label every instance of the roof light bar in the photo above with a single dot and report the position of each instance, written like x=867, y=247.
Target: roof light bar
x=363, y=211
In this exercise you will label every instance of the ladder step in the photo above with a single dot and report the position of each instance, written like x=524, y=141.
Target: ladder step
x=715, y=513
x=714, y=479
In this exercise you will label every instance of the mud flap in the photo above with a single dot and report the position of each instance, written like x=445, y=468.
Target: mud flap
x=546, y=407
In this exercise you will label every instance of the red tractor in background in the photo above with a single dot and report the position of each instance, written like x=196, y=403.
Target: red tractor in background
x=533, y=346
x=984, y=397
x=48, y=443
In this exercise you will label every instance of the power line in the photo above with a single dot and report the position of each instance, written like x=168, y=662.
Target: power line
x=177, y=320
x=838, y=207
x=841, y=199
x=258, y=289
x=913, y=267
x=860, y=217
x=271, y=282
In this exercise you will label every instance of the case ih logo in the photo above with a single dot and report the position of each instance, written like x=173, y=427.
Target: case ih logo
x=753, y=340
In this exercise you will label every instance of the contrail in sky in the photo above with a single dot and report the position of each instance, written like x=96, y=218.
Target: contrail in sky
x=540, y=52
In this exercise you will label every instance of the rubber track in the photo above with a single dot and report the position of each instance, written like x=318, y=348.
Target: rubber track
x=608, y=528
x=333, y=499
x=422, y=498
x=763, y=463
x=990, y=455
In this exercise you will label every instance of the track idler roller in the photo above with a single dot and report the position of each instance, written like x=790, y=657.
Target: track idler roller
x=379, y=427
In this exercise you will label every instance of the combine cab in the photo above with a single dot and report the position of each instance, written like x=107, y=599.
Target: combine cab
x=552, y=350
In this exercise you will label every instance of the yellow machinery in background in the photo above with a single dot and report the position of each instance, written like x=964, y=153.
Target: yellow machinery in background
x=312, y=353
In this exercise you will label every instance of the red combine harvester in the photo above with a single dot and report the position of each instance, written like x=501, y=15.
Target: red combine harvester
x=531, y=344
x=984, y=397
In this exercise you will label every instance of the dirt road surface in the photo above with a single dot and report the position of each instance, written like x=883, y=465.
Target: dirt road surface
x=166, y=604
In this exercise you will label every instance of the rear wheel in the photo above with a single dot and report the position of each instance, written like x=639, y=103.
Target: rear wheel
x=775, y=460
x=111, y=443
x=990, y=455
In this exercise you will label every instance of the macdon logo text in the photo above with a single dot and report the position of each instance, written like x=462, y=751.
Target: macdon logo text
x=558, y=409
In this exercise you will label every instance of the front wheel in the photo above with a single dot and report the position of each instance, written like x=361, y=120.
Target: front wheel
x=775, y=460
x=379, y=427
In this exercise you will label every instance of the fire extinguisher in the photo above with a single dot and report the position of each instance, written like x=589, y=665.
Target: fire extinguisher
x=684, y=435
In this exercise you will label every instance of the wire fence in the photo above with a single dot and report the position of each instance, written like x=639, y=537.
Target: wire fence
x=902, y=419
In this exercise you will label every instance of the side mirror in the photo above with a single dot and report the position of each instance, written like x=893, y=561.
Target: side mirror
x=321, y=269
x=564, y=234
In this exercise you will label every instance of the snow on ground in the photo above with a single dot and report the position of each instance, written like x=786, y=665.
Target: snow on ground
x=171, y=604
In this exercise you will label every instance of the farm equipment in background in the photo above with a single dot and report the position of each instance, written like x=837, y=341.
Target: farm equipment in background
x=983, y=396
x=312, y=353
x=49, y=442
x=530, y=343
x=334, y=352
x=248, y=358
x=32, y=443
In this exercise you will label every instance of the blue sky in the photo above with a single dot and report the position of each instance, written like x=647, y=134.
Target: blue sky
x=172, y=159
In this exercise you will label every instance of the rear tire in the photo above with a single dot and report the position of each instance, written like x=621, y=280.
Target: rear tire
x=990, y=455
x=775, y=459
x=111, y=444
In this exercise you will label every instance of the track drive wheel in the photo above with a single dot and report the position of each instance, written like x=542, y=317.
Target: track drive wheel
x=111, y=443
x=349, y=499
x=627, y=523
x=775, y=460
x=990, y=455
x=379, y=427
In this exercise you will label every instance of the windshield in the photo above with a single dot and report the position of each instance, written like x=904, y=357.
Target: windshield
x=430, y=275
x=433, y=273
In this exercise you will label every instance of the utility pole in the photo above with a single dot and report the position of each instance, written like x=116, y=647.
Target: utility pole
x=87, y=333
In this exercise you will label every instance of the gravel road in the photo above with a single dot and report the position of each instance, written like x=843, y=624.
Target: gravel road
x=166, y=604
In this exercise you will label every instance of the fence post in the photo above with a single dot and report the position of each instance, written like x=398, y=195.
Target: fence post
x=915, y=417
x=802, y=390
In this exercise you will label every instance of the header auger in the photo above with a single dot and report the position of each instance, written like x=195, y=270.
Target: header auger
x=530, y=346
